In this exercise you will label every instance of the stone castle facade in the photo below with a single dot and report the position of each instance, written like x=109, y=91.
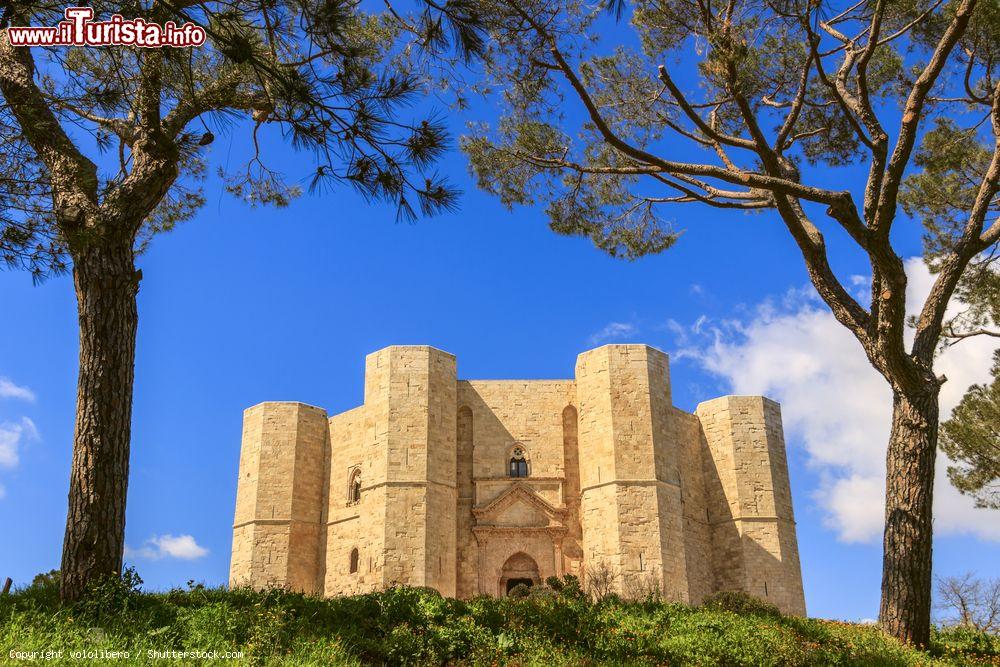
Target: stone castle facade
x=473, y=486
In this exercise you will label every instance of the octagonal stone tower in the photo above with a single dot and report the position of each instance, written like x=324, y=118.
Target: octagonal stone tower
x=750, y=500
x=632, y=483
x=279, y=499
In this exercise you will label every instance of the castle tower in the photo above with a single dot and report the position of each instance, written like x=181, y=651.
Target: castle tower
x=630, y=482
x=410, y=458
x=279, y=497
x=750, y=501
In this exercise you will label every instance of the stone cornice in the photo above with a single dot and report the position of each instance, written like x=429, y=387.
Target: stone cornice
x=526, y=480
x=631, y=482
x=552, y=531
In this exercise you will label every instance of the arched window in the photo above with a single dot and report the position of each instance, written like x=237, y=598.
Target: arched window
x=354, y=561
x=354, y=487
x=518, y=466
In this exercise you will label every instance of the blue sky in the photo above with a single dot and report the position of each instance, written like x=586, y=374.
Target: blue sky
x=240, y=306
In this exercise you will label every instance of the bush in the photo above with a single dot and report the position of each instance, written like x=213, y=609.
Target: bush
x=110, y=597
x=739, y=602
x=43, y=591
x=965, y=641
x=567, y=587
x=519, y=591
x=541, y=592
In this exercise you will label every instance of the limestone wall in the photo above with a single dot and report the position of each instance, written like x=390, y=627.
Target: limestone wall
x=502, y=413
x=347, y=522
x=749, y=500
x=572, y=544
x=697, y=533
x=526, y=412
x=465, y=544
x=440, y=471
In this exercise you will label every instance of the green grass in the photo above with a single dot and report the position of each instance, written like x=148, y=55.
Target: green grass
x=419, y=627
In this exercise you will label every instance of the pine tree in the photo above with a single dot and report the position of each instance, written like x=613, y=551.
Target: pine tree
x=103, y=148
x=742, y=106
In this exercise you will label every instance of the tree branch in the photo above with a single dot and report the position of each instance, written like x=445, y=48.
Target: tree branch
x=970, y=243
x=912, y=110
x=961, y=335
x=119, y=126
x=752, y=179
x=73, y=177
x=709, y=131
x=220, y=94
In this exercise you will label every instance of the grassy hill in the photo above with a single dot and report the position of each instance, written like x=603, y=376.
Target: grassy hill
x=419, y=627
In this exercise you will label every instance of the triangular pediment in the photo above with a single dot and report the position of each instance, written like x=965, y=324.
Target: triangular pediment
x=520, y=513
x=519, y=507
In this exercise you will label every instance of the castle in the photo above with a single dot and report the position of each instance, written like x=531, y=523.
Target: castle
x=474, y=486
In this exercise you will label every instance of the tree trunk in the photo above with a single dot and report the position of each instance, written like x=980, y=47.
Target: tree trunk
x=906, y=566
x=106, y=284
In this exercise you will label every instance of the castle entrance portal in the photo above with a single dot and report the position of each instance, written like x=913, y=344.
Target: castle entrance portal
x=519, y=569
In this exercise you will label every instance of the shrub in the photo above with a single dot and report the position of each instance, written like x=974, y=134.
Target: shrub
x=43, y=591
x=739, y=602
x=520, y=591
x=965, y=641
x=110, y=596
x=567, y=587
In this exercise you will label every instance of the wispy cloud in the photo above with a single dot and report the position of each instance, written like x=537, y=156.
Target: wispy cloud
x=613, y=331
x=182, y=547
x=13, y=435
x=837, y=406
x=10, y=390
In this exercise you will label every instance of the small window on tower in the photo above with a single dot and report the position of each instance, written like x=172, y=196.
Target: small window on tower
x=354, y=488
x=518, y=462
x=354, y=561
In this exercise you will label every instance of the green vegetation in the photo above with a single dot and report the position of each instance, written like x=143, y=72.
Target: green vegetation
x=553, y=625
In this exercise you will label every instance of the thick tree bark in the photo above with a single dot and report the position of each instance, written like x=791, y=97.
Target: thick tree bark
x=106, y=284
x=906, y=566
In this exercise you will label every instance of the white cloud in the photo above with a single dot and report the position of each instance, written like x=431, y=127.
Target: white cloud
x=614, y=331
x=838, y=407
x=157, y=547
x=12, y=436
x=10, y=390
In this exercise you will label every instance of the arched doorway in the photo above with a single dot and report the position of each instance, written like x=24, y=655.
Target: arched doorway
x=519, y=569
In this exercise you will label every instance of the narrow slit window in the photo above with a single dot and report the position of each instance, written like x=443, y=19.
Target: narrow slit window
x=354, y=488
x=353, y=564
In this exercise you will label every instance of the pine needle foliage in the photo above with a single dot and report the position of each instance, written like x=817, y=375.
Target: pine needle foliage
x=334, y=79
